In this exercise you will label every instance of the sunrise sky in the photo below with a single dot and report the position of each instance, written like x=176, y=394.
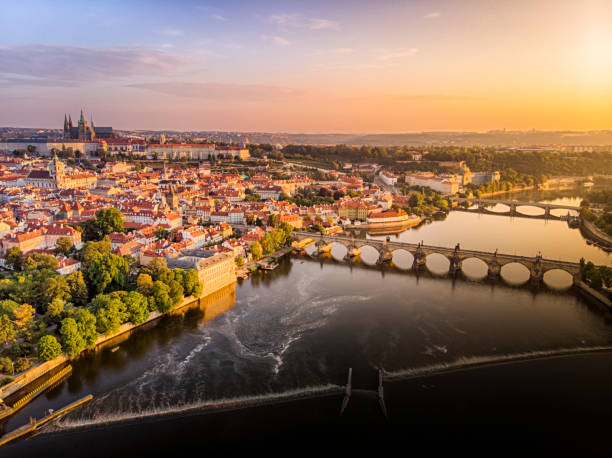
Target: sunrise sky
x=308, y=66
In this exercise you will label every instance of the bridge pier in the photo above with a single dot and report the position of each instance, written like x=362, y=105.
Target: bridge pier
x=494, y=270
x=455, y=265
x=536, y=271
x=547, y=211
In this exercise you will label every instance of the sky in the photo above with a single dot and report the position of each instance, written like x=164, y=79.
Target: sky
x=313, y=66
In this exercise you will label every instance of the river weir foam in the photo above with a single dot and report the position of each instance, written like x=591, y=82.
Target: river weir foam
x=473, y=362
x=204, y=406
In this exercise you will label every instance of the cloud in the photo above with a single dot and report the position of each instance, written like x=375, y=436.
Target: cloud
x=171, y=32
x=277, y=40
x=389, y=54
x=433, y=15
x=45, y=65
x=296, y=20
x=218, y=17
x=221, y=91
x=322, y=52
x=318, y=24
x=360, y=66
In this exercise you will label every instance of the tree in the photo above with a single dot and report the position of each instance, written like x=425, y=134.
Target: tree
x=86, y=325
x=77, y=288
x=267, y=244
x=14, y=258
x=7, y=330
x=24, y=316
x=63, y=246
x=93, y=249
x=72, y=342
x=156, y=268
x=53, y=287
x=55, y=309
x=239, y=261
x=110, y=313
x=163, y=302
x=256, y=251
x=109, y=220
x=48, y=348
x=107, y=272
x=144, y=284
x=175, y=292
x=7, y=307
x=162, y=233
x=137, y=307
x=273, y=220
x=191, y=283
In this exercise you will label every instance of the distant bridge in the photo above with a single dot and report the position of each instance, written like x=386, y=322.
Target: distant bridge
x=537, y=265
x=512, y=205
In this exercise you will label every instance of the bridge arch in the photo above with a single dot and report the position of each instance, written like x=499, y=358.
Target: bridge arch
x=437, y=263
x=499, y=208
x=531, y=210
x=338, y=251
x=369, y=255
x=402, y=259
x=515, y=273
x=557, y=278
x=474, y=268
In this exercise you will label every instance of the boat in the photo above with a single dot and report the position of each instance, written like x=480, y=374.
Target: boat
x=114, y=349
x=589, y=242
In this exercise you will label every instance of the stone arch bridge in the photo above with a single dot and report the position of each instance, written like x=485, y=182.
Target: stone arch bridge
x=513, y=205
x=537, y=265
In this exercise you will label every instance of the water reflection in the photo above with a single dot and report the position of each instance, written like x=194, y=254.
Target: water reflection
x=474, y=268
x=515, y=273
x=437, y=264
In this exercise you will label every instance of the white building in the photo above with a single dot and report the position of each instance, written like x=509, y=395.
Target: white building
x=388, y=178
x=444, y=185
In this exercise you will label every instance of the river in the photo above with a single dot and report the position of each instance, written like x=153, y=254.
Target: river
x=295, y=331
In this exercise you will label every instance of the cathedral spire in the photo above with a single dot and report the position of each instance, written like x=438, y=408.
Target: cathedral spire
x=82, y=120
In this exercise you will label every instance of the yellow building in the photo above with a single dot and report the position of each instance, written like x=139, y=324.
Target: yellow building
x=353, y=210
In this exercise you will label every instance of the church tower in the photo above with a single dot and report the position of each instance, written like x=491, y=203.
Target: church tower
x=57, y=172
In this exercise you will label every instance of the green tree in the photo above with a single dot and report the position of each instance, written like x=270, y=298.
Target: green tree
x=137, y=307
x=53, y=287
x=7, y=307
x=77, y=288
x=162, y=234
x=107, y=272
x=191, y=283
x=48, y=348
x=161, y=294
x=63, y=246
x=55, y=310
x=157, y=268
x=110, y=313
x=144, y=284
x=175, y=292
x=273, y=220
x=87, y=326
x=239, y=261
x=92, y=249
x=14, y=258
x=256, y=251
x=72, y=342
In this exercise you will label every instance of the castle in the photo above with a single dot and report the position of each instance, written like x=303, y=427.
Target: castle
x=84, y=131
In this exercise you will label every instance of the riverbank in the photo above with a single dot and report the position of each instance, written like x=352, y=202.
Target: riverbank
x=476, y=410
x=594, y=233
x=44, y=368
x=391, y=225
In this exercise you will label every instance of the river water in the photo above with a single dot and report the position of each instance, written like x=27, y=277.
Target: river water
x=295, y=331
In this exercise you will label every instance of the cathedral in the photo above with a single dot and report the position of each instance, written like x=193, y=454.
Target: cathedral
x=84, y=131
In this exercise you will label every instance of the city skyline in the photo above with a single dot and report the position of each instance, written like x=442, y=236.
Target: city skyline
x=274, y=66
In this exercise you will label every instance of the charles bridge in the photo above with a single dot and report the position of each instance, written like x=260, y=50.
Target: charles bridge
x=483, y=204
x=537, y=265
